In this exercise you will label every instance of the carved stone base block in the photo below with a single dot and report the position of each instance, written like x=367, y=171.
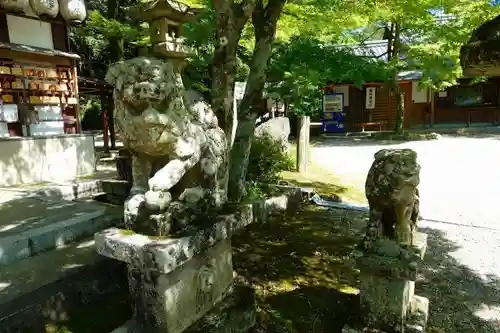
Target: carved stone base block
x=173, y=302
x=418, y=315
x=236, y=313
x=174, y=282
x=385, y=301
x=387, y=287
x=416, y=319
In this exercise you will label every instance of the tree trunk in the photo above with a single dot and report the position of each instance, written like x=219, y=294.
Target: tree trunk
x=230, y=21
x=400, y=109
x=107, y=104
x=264, y=20
x=394, y=49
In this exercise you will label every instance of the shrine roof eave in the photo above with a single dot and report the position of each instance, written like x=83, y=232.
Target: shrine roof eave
x=480, y=56
x=38, y=50
x=88, y=86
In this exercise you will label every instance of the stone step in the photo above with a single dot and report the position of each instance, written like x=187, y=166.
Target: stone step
x=30, y=225
x=108, y=160
x=71, y=287
x=69, y=190
x=116, y=190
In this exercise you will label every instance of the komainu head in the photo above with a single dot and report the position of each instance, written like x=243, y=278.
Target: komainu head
x=392, y=171
x=143, y=80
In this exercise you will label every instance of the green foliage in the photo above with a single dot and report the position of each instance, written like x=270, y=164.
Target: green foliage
x=254, y=191
x=91, y=115
x=200, y=35
x=268, y=158
x=110, y=28
x=301, y=67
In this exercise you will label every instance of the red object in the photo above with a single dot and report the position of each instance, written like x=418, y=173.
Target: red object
x=105, y=134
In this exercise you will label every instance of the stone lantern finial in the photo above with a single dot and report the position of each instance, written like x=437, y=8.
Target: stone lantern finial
x=166, y=19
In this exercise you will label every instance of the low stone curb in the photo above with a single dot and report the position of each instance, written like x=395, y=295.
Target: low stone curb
x=288, y=202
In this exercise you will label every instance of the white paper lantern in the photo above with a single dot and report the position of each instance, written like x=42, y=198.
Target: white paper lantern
x=45, y=7
x=73, y=10
x=16, y=6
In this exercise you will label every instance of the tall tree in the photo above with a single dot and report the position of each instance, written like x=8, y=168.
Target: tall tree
x=231, y=18
x=264, y=21
x=426, y=35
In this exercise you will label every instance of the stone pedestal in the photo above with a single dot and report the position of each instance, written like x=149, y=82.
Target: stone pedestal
x=183, y=284
x=387, y=287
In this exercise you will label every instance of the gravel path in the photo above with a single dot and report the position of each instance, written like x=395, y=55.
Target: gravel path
x=460, y=188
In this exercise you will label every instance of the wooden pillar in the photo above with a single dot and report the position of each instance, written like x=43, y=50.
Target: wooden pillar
x=433, y=106
x=105, y=125
x=111, y=121
x=303, y=143
x=74, y=74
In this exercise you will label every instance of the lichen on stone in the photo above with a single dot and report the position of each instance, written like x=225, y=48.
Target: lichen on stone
x=392, y=193
x=178, y=151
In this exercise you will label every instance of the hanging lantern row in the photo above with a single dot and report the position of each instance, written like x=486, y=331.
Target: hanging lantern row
x=73, y=11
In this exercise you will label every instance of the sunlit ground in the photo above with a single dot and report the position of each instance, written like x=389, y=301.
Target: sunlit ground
x=323, y=181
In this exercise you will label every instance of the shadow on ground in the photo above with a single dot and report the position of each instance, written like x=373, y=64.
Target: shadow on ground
x=460, y=300
x=305, y=283
x=300, y=269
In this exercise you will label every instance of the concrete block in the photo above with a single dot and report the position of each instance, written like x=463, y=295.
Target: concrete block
x=30, y=226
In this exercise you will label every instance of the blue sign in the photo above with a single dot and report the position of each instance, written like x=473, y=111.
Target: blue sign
x=333, y=113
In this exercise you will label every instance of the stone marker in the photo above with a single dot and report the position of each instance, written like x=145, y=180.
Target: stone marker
x=392, y=250
x=276, y=128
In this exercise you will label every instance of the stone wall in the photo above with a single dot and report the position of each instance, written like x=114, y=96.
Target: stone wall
x=46, y=159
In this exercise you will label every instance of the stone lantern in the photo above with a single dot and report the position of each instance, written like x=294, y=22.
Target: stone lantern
x=166, y=19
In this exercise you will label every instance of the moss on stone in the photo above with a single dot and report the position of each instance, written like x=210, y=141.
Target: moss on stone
x=127, y=232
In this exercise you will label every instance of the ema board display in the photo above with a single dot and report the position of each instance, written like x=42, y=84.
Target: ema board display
x=333, y=113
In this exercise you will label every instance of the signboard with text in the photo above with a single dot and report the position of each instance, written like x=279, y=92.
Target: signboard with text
x=370, y=97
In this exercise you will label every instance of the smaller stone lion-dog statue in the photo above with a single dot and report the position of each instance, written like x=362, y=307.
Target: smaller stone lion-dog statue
x=392, y=193
x=178, y=151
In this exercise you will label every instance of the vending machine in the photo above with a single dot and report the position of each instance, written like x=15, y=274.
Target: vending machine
x=333, y=113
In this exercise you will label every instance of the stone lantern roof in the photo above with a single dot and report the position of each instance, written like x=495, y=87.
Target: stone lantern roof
x=169, y=9
x=481, y=55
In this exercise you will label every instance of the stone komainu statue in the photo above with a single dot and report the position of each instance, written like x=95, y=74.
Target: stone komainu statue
x=179, y=153
x=392, y=193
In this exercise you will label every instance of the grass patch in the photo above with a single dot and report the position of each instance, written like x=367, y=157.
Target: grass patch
x=406, y=136
x=324, y=182
x=299, y=267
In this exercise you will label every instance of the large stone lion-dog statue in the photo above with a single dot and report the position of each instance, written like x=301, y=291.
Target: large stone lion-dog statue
x=391, y=190
x=178, y=151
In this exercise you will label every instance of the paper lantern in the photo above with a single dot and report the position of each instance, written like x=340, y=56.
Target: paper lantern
x=48, y=8
x=73, y=11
